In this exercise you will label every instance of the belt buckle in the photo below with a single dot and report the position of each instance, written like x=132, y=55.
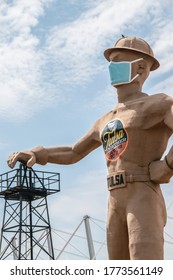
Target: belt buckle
x=117, y=180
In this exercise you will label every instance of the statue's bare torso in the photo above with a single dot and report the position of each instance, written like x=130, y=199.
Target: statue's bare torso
x=135, y=133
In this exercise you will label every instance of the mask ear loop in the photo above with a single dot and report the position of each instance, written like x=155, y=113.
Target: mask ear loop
x=137, y=60
x=137, y=75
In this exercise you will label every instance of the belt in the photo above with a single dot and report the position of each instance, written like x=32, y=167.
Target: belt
x=120, y=178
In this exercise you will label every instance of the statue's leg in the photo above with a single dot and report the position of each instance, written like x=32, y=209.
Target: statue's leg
x=117, y=234
x=146, y=218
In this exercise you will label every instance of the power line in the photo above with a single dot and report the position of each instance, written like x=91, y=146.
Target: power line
x=75, y=235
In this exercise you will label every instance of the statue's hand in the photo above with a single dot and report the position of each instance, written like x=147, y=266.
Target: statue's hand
x=28, y=157
x=160, y=172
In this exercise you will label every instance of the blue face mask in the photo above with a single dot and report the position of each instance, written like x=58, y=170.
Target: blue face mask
x=120, y=72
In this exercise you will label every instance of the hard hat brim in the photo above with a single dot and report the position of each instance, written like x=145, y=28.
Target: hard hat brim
x=155, y=65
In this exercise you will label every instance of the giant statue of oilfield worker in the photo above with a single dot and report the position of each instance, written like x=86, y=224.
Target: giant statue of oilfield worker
x=134, y=136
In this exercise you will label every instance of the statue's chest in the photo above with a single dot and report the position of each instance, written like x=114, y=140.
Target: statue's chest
x=124, y=126
x=141, y=116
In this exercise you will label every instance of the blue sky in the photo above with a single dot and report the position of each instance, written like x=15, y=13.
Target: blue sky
x=55, y=84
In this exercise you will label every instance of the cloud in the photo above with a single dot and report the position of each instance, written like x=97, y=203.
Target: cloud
x=75, y=49
x=78, y=45
x=35, y=71
x=22, y=84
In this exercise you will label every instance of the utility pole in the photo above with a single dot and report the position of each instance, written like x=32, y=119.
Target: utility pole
x=89, y=238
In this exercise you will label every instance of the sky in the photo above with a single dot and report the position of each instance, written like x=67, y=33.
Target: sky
x=55, y=84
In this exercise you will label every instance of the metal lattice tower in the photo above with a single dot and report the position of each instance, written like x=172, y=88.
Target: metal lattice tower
x=26, y=231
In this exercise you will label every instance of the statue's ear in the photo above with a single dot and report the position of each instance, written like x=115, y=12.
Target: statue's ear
x=141, y=67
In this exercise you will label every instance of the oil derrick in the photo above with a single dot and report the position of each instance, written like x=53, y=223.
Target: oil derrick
x=26, y=231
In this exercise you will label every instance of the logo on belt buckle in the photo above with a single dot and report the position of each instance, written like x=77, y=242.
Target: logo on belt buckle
x=118, y=180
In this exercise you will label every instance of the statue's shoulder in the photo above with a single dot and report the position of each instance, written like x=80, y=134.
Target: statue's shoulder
x=106, y=116
x=104, y=119
x=160, y=101
x=160, y=97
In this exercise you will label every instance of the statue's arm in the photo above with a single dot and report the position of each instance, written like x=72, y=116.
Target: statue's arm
x=161, y=171
x=58, y=155
x=73, y=154
x=169, y=122
x=168, y=119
